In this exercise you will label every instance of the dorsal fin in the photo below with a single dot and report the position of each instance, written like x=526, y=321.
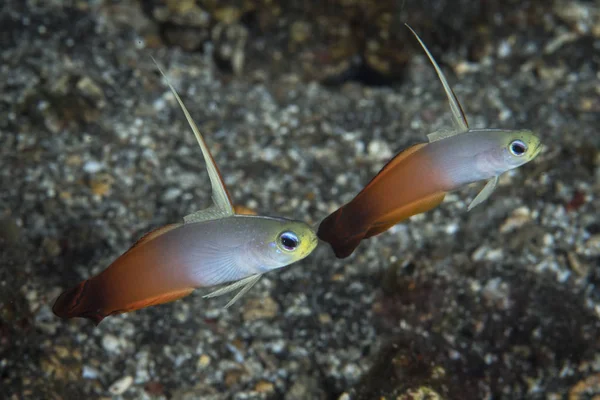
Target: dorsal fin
x=440, y=134
x=458, y=115
x=222, y=201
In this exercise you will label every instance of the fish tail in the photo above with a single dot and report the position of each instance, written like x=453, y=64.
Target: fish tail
x=343, y=241
x=77, y=302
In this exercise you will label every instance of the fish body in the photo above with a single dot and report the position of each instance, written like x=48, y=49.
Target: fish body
x=180, y=259
x=210, y=247
x=417, y=179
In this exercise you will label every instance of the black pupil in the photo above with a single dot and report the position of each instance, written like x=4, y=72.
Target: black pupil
x=518, y=148
x=289, y=242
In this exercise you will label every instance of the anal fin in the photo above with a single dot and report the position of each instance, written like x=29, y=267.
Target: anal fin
x=152, y=301
x=400, y=214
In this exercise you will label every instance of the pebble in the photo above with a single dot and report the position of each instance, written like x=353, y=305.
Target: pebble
x=111, y=343
x=91, y=167
x=264, y=387
x=203, y=361
x=89, y=372
x=120, y=386
x=517, y=219
x=379, y=150
x=591, y=247
x=262, y=308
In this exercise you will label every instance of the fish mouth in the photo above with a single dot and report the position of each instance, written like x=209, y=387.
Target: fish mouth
x=537, y=150
x=314, y=242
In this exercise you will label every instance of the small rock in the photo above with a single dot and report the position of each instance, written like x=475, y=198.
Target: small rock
x=264, y=387
x=576, y=265
x=485, y=253
x=89, y=372
x=120, y=386
x=154, y=388
x=300, y=31
x=232, y=377
x=324, y=318
x=171, y=194
x=51, y=246
x=304, y=387
x=517, y=219
x=422, y=393
x=110, y=343
x=228, y=15
x=591, y=247
x=379, y=150
x=203, y=361
x=90, y=90
x=264, y=308
x=101, y=184
x=61, y=351
x=91, y=167
x=586, y=387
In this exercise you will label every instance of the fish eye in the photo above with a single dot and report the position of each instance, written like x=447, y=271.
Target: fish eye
x=289, y=241
x=517, y=148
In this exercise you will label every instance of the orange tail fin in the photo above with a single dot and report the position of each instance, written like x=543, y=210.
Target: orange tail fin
x=86, y=300
x=342, y=241
x=75, y=303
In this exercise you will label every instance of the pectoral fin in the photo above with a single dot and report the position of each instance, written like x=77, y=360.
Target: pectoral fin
x=458, y=115
x=220, y=196
x=246, y=284
x=486, y=192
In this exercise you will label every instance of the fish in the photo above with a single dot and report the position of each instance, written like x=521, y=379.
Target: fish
x=417, y=179
x=213, y=246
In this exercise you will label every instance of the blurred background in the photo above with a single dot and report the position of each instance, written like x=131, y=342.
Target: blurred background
x=301, y=102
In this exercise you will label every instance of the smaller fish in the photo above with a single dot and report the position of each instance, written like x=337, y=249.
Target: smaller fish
x=210, y=247
x=417, y=179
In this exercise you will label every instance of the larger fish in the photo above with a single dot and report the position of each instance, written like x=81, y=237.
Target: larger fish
x=417, y=179
x=210, y=247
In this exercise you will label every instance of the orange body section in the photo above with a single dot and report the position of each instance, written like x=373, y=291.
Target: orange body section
x=406, y=186
x=135, y=280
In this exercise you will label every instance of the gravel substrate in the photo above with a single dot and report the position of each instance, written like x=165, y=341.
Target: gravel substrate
x=501, y=302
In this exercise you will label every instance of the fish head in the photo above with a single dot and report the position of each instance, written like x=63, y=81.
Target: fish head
x=499, y=150
x=285, y=242
x=519, y=147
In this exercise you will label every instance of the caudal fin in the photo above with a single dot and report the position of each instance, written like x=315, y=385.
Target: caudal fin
x=75, y=303
x=342, y=241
